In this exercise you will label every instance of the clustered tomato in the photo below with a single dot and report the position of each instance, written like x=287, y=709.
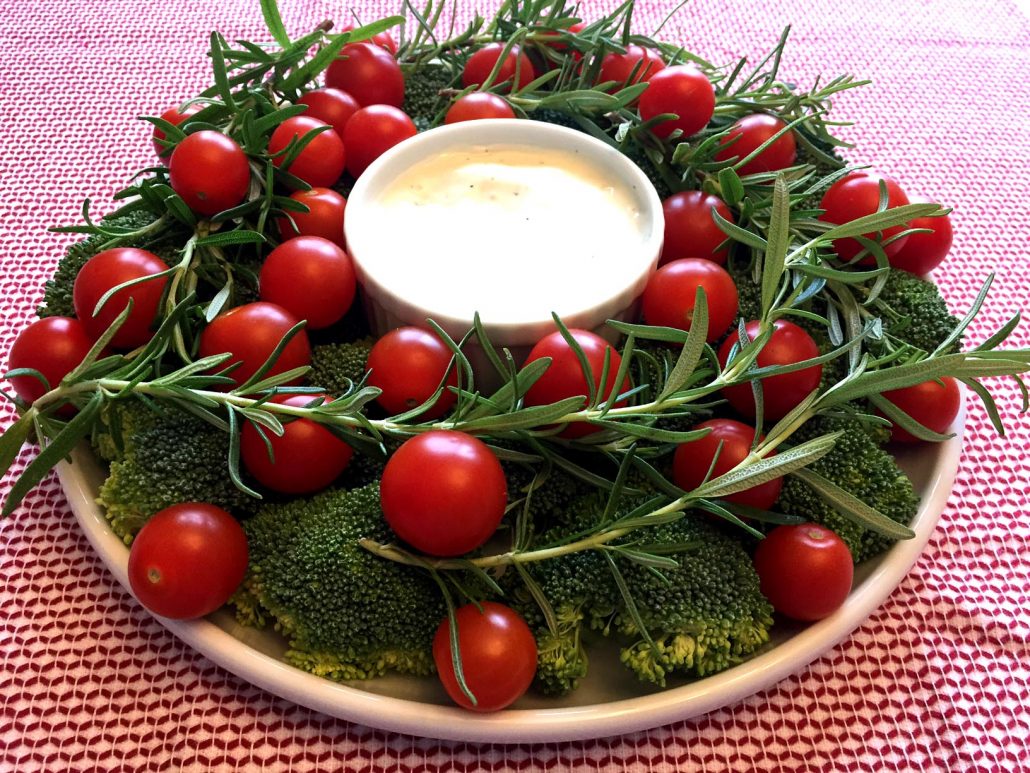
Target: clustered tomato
x=684, y=91
x=54, y=346
x=498, y=656
x=105, y=271
x=732, y=441
x=368, y=73
x=565, y=378
x=690, y=230
x=934, y=404
x=749, y=134
x=332, y=106
x=325, y=216
x=371, y=132
x=482, y=62
x=209, y=171
x=409, y=364
x=788, y=345
x=669, y=296
x=443, y=492
x=306, y=458
x=311, y=278
x=320, y=162
x=187, y=560
x=477, y=106
x=804, y=570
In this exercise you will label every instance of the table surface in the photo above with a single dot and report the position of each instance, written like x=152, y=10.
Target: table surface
x=935, y=679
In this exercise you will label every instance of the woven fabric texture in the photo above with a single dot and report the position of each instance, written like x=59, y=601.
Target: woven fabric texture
x=936, y=679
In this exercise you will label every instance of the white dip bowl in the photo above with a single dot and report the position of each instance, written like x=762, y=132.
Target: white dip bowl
x=513, y=219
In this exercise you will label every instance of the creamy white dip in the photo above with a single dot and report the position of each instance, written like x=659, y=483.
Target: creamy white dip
x=513, y=232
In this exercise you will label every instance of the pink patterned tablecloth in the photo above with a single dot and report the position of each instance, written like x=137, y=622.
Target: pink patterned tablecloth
x=937, y=679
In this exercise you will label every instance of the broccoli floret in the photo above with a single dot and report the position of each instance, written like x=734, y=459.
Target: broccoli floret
x=636, y=154
x=346, y=613
x=914, y=311
x=57, y=293
x=860, y=466
x=422, y=99
x=159, y=460
x=703, y=616
x=335, y=367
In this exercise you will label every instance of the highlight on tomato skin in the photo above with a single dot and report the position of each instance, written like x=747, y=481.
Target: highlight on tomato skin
x=408, y=364
x=210, y=172
x=748, y=134
x=671, y=292
x=498, y=656
x=54, y=346
x=690, y=230
x=311, y=278
x=368, y=73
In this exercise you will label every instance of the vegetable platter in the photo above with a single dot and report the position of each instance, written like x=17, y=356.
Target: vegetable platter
x=671, y=500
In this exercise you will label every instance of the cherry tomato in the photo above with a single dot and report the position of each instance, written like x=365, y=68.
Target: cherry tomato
x=381, y=39
x=934, y=404
x=805, y=570
x=250, y=333
x=111, y=268
x=748, y=134
x=564, y=377
x=322, y=160
x=311, y=278
x=668, y=299
x=324, y=219
x=187, y=560
x=789, y=344
x=307, y=458
x=332, y=106
x=498, y=656
x=54, y=346
x=371, y=132
x=176, y=117
x=368, y=73
x=619, y=67
x=210, y=171
x=478, y=105
x=683, y=90
x=857, y=195
x=481, y=64
x=554, y=40
x=690, y=231
x=922, y=253
x=443, y=492
x=692, y=461
x=408, y=364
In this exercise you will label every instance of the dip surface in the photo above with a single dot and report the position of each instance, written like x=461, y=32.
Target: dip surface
x=511, y=231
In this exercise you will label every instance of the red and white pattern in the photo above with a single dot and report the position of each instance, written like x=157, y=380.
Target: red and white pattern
x=937, y=679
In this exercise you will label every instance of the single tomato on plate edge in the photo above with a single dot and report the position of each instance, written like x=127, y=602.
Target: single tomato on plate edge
x=609, y=701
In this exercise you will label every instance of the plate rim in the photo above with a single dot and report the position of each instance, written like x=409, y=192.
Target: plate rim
x=539, y=725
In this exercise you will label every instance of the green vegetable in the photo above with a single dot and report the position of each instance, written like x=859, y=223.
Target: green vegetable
x=346, y=613
x=335, y=367
x=914, y=312
x=422, y=87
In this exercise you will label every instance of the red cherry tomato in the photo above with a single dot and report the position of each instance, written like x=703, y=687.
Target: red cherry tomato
x=176, y=117
x=934, y=404
x=368, y=73
x=922, y=253
x=619, y=67
x=324, y=219
x=789, y=344
x=478, y=105
x=54, y=346
x=408, y=364
x=322, y=160
x=332, y=106
x=748, y=134
x=683, y=90
x=805, y=570
x=381, y=39
x=857, y=195
x=371, y=132
x=498, y=656
x=111, y=268
x=444, y=492
x=187, y=560
x=481, y=64
x=307, y=458
x=250, y=333
x=210, y=171
x=690, y=231
x=668, y=299
x=311, y=278
x=564, y=377
x=692, y=461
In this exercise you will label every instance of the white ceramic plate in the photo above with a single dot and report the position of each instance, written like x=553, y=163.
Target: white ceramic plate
x=609, y=702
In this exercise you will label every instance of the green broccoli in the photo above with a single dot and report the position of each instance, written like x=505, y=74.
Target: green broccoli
x=158, y=460
x=422, y=100
x=57, y=293
x=346, y=613
x=913, y=311
x=703, y=616
x=335, y=367
x=860, y=466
